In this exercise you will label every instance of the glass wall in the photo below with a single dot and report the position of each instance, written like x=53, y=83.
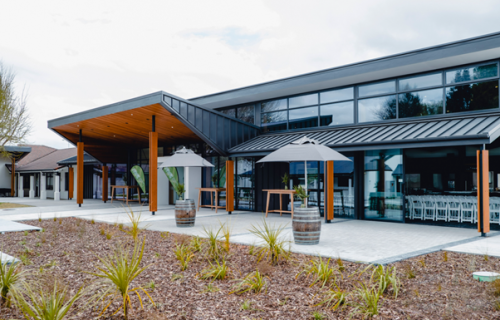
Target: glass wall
x=245, y=184
x=243, y=113
x=383, y=184
x=469, y=88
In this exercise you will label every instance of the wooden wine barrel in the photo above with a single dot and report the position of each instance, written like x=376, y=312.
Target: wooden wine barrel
x=306, y=225
x=185, y=213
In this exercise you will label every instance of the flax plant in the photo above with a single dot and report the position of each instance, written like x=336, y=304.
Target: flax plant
x=36, y=303
x=254, y=281
x=367, y=300
x=183, y=254
x=214, y=249
x=320, y=270
x=226, y=234
x=11, y=277
x=334, y=297
x=117, y=272
x=135, y=220
x=216, y=271
x=273, y=244
x=385, y=277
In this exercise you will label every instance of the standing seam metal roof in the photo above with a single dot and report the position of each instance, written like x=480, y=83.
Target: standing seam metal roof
x=476, y=129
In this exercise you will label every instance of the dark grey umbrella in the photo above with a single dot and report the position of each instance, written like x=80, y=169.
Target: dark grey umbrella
x=185, y=158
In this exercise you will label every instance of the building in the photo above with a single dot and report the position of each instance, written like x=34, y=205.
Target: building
x=412, y=123
x=10, y=156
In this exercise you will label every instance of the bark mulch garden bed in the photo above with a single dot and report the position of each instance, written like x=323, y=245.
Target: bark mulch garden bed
x=434, y=286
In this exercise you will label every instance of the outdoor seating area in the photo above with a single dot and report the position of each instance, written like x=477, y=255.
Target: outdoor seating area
x=462, y=209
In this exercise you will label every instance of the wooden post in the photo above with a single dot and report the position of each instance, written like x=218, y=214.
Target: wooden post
x=329, y=186
x=483, y=192
x=229, y=186
x=79, y=173
x=153, y=171
x=71, y=182
x=13, y=178
x=105, y=183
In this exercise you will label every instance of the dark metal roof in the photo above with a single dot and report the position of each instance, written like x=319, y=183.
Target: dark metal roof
x=472, y=50
x=469, y=130
x=21, y=149
x=87, y=159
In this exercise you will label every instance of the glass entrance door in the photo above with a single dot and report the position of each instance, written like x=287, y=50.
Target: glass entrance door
x=383, y=182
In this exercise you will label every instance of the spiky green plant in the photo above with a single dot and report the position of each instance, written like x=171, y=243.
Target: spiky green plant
x=180, y=190
x=39, y=304
x=226, y=235
x=301, y=194
x=216, y=271
x=285, y=179
x=117, y=272
x=135, y=220
x=274, y=246
x=11, y=276
x=255, y=282
x=334, y=297
x=320, y=271
x=385, y=277
x=196, y=244
x=213, y=249
x=367, y=300
x=183, y=254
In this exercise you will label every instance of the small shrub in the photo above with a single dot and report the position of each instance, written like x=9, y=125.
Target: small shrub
x=340, y=264
x=245, y=305
x=495, y=286
x=60, y=221
x=410, y=273
x=251, y=250
x=196, y=244
x=24, y=259
x=226, y=235
x=367, y=300
x=165, y=234
x=496, y=305
x=102, y=231
x=183, y=254
x=214, y=250
x=384, y=277
x=486, y=257
x=108, y=235
x=25, y=233
x=320, y=270
x=11, y=277
x=92, y=221
x=135, y=220
x=177, y=276
x=445, y=256
x=210, y=288
x=216, y=271
x=151, y=285
x=334, y=297
x=254, y=282
x=422, y=262
x=318, y=315
x=274, y=246
x=120, y=226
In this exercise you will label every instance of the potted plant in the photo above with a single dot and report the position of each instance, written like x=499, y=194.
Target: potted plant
x=285, y=179
x=306, y=222
x=185, y=210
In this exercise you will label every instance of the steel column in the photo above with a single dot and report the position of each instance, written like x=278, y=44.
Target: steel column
x=105, y=183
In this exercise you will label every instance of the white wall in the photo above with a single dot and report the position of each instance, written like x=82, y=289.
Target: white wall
x=163, y=185
x=4, y=173
x=192, y=180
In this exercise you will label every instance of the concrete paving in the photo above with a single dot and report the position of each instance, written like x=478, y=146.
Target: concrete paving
x=352, y=240
x=6, y=259
x=11, y=226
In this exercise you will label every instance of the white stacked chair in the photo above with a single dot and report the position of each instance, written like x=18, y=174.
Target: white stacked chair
x=495, y=210
x=417, y=208
x=454, y=208
x=468, y=209
x=408, y=206
x=441, y=208
x=429, y=208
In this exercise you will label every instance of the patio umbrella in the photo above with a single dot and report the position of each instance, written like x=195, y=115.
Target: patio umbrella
x=185, y=158
x=304, y=149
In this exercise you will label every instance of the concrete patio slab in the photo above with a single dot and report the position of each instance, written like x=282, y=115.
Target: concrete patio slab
x=485, y=246
x=11, y=226
x=6, y=259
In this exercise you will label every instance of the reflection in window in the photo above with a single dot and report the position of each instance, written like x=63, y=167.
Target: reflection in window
x=246, y=114
x=472, y=73
x=429, y=80
x=302, y=101
x=274, y=105
x=377, y=88
x=475, y=96
x=376, y=109
x=274, y=121
x=245, y=177
x=421, y=103
x=337, y=95
x=337, y=113
x=303, y=118
x=229, y=112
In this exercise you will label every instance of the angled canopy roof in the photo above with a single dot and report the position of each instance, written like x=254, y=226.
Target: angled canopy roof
x=470, y=130
x=110, y=130
x=87, y=159
x=18, y=152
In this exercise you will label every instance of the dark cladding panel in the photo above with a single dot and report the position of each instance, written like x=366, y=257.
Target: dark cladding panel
x=268, y=176
x=206, y=123
x=184, y=110
x=213, y=127
x=191, y=115
x=175, y=105
x=199, y=119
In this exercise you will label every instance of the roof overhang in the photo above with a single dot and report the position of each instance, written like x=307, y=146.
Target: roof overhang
x=109, y=132
x=17, y=152
x=467, y=51
x=416, y=133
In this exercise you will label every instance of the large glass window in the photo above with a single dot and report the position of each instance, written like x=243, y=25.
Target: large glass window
x=429, y=80
x=230, y=112
x=377, y=88
x=337, y=113
x=302, y=101
x=474, y=96
x=377, y=109
x=472, y=73
x=421, y=103
x=274, y=105
x=274, y=121
x=337, y=95
x=245, y=179
x=246, y=113
x=383, y=185
x=303, y=118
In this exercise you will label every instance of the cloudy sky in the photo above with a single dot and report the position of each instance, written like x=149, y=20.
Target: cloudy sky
x=74, y=56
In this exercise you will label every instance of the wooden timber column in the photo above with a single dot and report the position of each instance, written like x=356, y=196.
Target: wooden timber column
x=229, y=186
x=79, y=171
x=105, y=183
x=71, y=182
x=153, y=169
x=328, y=193
x=483, y=192
x=13, y=178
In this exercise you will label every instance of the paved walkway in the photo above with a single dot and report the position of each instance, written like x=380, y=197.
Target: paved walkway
x=352, y=240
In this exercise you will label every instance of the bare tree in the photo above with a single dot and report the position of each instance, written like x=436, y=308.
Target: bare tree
x=15, y=122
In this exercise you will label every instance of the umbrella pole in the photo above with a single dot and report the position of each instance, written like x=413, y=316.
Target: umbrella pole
x=305, y=172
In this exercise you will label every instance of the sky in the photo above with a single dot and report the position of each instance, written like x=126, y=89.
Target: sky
x=74, y=56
